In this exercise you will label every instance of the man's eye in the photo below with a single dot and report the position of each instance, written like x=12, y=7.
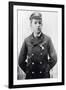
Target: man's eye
x=39, y=22
x=35, y=22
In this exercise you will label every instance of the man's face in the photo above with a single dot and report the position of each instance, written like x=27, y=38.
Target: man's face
x=36, y=25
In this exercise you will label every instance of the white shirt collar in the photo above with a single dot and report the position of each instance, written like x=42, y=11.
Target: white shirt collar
x=37, y=35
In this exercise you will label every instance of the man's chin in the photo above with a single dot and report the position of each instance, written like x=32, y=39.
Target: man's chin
x=38, y=32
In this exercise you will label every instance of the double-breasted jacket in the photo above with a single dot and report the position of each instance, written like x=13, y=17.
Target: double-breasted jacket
x=37, y=56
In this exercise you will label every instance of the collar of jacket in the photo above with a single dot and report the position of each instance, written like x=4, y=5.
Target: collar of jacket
x=36, y=41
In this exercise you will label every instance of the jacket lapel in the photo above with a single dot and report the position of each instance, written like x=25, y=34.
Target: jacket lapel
x=36, y=41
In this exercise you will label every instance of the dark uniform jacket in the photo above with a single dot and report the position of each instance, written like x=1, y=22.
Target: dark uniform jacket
x=37, y=57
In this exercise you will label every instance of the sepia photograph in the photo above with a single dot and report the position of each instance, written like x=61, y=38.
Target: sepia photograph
x=37, y=44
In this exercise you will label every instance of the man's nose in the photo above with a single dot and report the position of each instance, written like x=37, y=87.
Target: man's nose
x=37, y=24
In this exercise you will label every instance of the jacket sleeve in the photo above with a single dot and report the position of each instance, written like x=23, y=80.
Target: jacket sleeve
x=22, y=57
x=52, y=54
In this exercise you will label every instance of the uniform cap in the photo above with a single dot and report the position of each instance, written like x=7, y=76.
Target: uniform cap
x=36, y=15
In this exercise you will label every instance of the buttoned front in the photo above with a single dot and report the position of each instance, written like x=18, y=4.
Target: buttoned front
x=36, y=51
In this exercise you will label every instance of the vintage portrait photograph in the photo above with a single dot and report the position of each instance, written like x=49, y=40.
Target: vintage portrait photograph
x=37, y=44
x=36, y=53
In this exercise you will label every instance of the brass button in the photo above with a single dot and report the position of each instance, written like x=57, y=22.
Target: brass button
x=32, y=63
x=32, y=54
x=33, y=72
x=40, y=62
x=40, y=53
x=40, y=72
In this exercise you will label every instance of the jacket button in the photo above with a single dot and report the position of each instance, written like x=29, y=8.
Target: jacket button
x=32, y=63
x=40, y=62
x=40, y=72
x=40, y=53
x=32, y=54
x=33, y=72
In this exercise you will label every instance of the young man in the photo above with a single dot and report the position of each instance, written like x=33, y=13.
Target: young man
x=36, y=49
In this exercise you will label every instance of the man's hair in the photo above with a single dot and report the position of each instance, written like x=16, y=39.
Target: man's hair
x=36, y=15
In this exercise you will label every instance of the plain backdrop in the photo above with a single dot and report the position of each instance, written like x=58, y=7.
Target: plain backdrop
x=4, y=44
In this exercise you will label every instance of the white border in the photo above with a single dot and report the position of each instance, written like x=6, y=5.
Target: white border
x=51, y=80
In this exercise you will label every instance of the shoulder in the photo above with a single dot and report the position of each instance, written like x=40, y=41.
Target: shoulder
x=28, y=39
x=46, y=37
